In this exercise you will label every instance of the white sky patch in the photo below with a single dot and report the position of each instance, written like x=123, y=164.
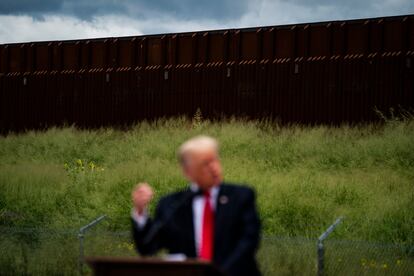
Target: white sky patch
x=24, y=28
x=279, y=12
x=399, y=6
x=270, y=13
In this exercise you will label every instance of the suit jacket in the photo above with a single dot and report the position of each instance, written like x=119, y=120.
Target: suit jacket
x=236, y=233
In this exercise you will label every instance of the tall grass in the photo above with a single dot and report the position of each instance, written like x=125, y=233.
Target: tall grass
x=304, y=177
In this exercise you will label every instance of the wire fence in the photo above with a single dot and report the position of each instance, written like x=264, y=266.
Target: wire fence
x=38, y=251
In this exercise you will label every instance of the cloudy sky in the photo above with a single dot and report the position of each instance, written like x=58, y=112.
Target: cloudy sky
x=35, y=20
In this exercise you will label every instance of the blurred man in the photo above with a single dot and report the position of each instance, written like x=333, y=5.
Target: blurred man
x=212, y=220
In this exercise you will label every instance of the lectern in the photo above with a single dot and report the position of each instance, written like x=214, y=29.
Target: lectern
x=122, y=266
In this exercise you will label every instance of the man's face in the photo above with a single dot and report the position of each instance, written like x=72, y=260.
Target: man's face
x=204, y=168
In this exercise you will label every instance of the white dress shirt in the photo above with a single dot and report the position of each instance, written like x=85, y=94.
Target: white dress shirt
x=198, y=210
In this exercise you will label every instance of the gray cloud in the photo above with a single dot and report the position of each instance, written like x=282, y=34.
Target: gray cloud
x=87, y=10
x=28, y=6
x=77, y=8
x=25, y=20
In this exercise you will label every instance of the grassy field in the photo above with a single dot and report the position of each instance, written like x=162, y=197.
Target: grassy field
x=305, y=177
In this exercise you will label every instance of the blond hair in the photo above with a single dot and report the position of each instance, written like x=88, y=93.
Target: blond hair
x=196, y=144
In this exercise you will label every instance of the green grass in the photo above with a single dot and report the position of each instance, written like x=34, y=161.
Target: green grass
x=305, y=177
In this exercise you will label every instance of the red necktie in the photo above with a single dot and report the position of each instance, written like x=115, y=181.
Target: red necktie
x=207, y=236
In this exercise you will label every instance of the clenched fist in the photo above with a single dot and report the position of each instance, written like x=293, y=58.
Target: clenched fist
x=141, y=196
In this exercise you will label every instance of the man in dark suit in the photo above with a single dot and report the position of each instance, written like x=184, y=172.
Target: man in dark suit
x=211, y=220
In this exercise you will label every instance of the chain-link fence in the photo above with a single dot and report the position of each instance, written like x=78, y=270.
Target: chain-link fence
x=33, y=251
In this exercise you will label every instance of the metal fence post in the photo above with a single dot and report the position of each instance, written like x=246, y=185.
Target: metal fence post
x=81, y=236
x=321, y=248
x=321, y=253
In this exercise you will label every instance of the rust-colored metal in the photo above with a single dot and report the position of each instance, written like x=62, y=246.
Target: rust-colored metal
x=329, y=72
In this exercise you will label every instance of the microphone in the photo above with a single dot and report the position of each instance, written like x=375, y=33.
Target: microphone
x=163, y=221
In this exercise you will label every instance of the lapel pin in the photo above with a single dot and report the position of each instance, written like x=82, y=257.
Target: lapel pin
x=223, y=200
